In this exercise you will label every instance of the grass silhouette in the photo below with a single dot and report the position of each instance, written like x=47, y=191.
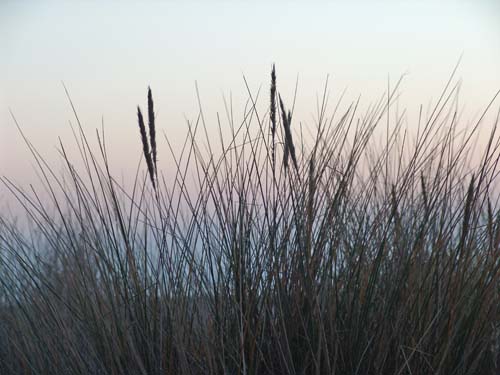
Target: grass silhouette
x=358, y=260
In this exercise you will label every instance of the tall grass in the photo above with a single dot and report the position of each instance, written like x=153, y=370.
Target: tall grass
x=355, y=259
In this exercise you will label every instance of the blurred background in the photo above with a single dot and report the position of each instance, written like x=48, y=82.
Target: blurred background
x=107, y=53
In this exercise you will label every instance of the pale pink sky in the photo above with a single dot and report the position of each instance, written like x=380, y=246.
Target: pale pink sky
x=107, y=53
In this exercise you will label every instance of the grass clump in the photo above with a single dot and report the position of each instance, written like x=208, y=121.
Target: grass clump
x=358, y=260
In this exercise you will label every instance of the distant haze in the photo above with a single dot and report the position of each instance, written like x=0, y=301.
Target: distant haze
x=107, y=53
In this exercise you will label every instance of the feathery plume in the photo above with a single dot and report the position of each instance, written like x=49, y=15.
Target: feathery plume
x=152, y=131
x=145, y=145
x=289, y=147
x=285, y=127
x=273, y=102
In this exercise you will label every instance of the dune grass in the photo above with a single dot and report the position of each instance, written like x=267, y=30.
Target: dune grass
x=261, y=255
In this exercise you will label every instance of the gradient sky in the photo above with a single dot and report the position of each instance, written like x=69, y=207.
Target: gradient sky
x=107, y=53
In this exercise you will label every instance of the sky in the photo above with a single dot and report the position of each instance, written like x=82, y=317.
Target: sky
x=108, y=52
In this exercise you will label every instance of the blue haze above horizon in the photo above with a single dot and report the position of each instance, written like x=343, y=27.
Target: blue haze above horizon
x=107, y=53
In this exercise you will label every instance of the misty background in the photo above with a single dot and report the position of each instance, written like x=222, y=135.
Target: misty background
x=107, y=53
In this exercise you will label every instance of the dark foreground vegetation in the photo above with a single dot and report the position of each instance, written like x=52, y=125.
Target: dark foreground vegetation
x=274, y=252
